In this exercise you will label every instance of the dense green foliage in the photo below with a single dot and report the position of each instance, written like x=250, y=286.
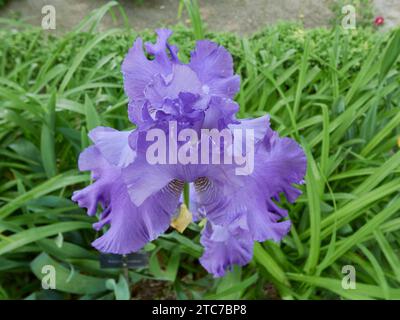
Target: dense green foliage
x=3, y=3
x=336, y=93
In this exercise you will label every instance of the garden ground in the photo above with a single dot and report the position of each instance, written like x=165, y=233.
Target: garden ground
x=240, y=16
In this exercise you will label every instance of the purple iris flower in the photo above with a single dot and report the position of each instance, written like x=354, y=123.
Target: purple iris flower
x=139, y=199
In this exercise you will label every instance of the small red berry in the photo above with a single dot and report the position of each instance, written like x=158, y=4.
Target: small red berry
x=379, y=21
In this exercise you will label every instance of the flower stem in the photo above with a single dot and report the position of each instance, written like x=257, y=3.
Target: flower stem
x=186, y=195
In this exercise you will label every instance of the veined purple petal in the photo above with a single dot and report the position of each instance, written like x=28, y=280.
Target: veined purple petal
x=144, y=180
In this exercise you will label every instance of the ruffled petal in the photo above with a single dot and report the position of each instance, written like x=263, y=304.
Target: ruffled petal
x=144, y=180
x=264, y=220
x=138, y=113
x=131, y=226
x=91, y=159
x=182, y=79
x=99, y=192
x=214, y=67
x=110, y=153
x=156, y=87
x=259, y=126
x=113, y=145
x=216, y=196
x=223, y=203
x=138, y=70
x=162, y=48
x=279, y=164
x=225, y=246
x=220, y=113
x=226, y=87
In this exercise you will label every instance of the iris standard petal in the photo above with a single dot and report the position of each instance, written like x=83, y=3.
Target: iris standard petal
x=181, y=79
x=162, y=48
x=138, y=70
x=214, y=67
x=156, y=87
